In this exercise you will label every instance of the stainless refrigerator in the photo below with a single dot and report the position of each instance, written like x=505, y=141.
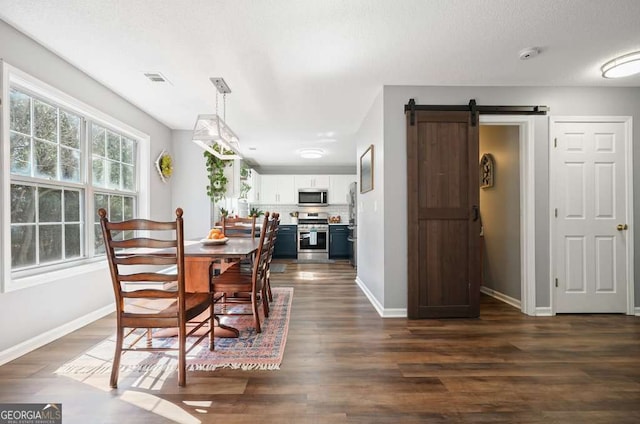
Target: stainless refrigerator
x=353, y=223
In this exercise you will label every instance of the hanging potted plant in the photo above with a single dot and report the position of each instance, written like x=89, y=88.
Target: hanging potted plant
x=217, y=180
x=245, y=187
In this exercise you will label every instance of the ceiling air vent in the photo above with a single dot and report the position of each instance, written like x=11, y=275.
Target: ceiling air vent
x=156, y=77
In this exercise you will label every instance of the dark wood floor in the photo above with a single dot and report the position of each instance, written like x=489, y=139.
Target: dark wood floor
x=344, y=364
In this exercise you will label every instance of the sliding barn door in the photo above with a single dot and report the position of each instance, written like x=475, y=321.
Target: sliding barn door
x=443, y=215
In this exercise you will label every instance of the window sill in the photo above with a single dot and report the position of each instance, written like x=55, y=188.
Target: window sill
x=23, y=282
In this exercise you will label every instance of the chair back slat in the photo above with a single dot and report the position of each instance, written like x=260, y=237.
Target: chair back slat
x=155, y=277
x=145, y=260
x=142, y=242
x=150, y=293
x=141, y=224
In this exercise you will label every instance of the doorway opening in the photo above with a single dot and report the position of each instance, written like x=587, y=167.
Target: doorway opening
x=507, y=211
x=500, y=212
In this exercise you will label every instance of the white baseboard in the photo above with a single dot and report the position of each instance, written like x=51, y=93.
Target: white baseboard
x=637, y=311
x=27, y=346
x=501, y=297
x=395, y=313
x=384, y=313
x=543, y=311
x=372, y=299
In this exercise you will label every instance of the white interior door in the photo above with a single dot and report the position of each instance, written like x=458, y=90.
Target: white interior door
x=590, y=180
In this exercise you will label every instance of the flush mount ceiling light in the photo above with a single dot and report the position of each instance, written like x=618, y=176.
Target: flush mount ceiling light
x=622, y=66
x=212, y=133
x=311, y=153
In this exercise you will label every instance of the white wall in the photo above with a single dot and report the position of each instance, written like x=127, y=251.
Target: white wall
x=31, y=312
x=372, y=250
x=563, y=101
x=500, y=211
x=189, y=183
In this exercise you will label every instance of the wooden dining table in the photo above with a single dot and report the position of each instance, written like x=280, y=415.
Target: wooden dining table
x=200, y=259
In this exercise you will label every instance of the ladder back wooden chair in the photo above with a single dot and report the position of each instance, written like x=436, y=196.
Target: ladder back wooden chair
x=272, y=245
x=239, y=227
x=234, y=281
x=151, y=255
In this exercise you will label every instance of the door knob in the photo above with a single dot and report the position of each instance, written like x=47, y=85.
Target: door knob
x=621, y=227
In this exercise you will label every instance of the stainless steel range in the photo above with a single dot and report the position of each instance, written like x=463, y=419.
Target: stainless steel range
x=313, y=235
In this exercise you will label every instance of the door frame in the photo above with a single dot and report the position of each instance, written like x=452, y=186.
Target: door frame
x=628, y=146
x=526, y=137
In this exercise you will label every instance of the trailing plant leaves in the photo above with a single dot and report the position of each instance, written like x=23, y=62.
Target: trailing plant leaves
x=217, y=180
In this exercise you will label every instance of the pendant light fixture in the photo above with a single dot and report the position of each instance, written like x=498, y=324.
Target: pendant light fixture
x=622, y=66
x=212, y=133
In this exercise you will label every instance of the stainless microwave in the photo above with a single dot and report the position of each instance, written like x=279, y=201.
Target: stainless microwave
x=313, y=197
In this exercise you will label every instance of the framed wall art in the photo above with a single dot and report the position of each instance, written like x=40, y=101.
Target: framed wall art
x=164, y=166
x=366, y=170
x=487, y=170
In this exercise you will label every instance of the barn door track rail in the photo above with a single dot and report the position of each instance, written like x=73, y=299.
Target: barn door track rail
x=475, y=110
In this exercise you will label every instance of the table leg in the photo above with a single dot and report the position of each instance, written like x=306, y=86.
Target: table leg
x=224, y=331
x=197, y=270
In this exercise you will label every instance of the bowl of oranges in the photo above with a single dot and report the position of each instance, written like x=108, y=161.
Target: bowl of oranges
x=216, y=236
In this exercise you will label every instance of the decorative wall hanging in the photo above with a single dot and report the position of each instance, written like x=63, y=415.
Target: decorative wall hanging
x=164, y=165
x=366, y=170
x=487, y=170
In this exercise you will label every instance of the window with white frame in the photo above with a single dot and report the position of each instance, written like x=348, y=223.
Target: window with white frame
x=113, y=178
x=64, y=164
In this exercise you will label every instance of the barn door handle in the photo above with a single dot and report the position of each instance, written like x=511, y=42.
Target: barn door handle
x=476, y=212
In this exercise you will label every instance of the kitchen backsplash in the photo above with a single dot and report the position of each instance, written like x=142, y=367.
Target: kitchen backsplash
x=333, y=210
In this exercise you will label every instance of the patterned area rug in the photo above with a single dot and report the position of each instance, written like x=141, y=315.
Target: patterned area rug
x=250, y=351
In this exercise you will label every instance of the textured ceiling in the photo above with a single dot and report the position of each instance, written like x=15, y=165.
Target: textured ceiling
x=304, y=73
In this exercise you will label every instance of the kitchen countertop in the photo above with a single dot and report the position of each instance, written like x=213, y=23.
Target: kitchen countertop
x=282, y=222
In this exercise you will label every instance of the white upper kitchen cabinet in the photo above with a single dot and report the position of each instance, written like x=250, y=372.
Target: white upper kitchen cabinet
x=311, y=181
x=339, y=188
x=254, y=192
x=279, y=189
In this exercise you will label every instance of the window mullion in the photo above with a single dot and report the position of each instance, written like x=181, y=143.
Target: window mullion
x=89, y=197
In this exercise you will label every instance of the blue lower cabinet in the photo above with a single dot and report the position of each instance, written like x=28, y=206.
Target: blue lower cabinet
x=287, y=242
x=339, y=246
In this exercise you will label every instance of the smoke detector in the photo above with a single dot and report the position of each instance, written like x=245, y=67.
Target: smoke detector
x=529, y=53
